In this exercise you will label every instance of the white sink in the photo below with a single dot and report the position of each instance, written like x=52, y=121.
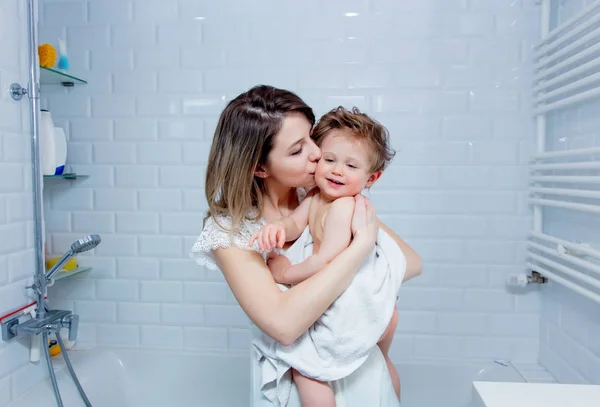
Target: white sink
x=497, y=394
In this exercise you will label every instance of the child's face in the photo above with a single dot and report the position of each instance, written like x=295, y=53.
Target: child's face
x=344, y=167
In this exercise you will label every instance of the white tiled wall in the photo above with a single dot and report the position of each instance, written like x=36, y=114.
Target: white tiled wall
x=570, y=325
x=16, y=210
x=450, y=79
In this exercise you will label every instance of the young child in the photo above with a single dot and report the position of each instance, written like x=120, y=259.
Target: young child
x=355, y=150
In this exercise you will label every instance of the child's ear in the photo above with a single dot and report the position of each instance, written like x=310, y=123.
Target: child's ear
x=260, y=171
x=372, y=178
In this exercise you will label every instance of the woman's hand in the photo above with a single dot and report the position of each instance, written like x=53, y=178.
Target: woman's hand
x=364, y=221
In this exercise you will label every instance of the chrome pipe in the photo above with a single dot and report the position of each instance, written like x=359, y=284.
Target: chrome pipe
x=86, y=401
x=33, y=94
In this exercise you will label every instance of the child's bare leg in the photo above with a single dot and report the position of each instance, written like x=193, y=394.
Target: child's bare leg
x=313, y=393
x=384, y=344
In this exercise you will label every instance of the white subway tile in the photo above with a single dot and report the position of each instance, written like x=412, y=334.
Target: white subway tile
x=437, y=346
x=99, y=222
x=206, y=293
x=137, y=129
x=79, y=153
x=96, y=311
x=124, y=335
x=86, y=130
x=113, y=106
x=114, y=199
x=117, y=290
x=110, y=12
x=196, y=153
x=182, y=176
x=154, y=11
x=513, y=325
x=488, y=300
x=180, y=81
x=205, y=338
x=430, y=299
x=202, y=57
x=88, y=37
x=13, y=355
x=461, y=324
x=463, y=275
x=156, y=57
x=203, y=104
x=162, y=336
x=238, y=339
x=136, y=268
x=138, y=313
x=159, y=200
x=499, y=252
x=402, y=348
x=146, y=223
x=136, y=82
x=161, y=291
x=103, y=267
x=133, y=35
x=181, y=223
x=74, y=288
x=136, y=176
x=225, y=315
x=117, y=245
x=14, y=177
x=416, y=322
x=159, y=106
x=3, y=270
x=181, y=314
x=181, y=129
x=15, y=148
x=159, y=153
x=178, y=269
x=160, y=246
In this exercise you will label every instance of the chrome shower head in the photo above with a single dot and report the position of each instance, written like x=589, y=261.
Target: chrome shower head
x=79, y=246
x=85, y=243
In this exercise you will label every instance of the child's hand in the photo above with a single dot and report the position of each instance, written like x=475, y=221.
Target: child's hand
x=269, y=236
x=278, y=264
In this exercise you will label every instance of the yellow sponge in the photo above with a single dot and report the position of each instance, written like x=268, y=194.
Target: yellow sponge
x=47, y=54
x=70, y=265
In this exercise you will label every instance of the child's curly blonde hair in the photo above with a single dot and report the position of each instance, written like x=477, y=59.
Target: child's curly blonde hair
x=362, y=128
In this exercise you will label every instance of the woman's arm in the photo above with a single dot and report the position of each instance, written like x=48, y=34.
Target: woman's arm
x=414, y=264
x=285, y=315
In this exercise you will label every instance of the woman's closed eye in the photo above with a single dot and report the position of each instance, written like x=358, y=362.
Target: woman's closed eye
x=298, y=151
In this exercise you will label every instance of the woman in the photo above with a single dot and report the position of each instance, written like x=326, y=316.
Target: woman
x=262, y=152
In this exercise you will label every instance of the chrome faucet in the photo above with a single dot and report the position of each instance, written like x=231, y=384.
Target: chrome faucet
x=48, y=321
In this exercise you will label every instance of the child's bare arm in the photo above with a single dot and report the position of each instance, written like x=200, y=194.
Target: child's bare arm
x=336, y=237
x=284, y=230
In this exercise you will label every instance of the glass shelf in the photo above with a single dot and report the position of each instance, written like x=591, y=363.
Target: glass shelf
x=64, y=274
x=66, y=175
x=49, y=76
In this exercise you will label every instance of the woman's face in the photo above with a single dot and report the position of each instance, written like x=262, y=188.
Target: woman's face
x=293, y=159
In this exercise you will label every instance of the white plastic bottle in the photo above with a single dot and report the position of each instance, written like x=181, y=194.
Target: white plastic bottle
x=60, y=141
x=47, y=144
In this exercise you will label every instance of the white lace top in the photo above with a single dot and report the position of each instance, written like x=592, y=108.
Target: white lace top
x=214, y=236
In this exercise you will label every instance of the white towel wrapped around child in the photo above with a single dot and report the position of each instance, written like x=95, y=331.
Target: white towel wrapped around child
x=340, y=341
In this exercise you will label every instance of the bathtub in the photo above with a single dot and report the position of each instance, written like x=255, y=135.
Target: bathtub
x=132, y=377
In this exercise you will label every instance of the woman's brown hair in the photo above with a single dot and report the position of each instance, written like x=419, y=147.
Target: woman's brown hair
x=361, y=127
x=243, y=140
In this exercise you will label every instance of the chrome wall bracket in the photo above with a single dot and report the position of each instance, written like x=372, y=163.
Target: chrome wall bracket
x=17, y=91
